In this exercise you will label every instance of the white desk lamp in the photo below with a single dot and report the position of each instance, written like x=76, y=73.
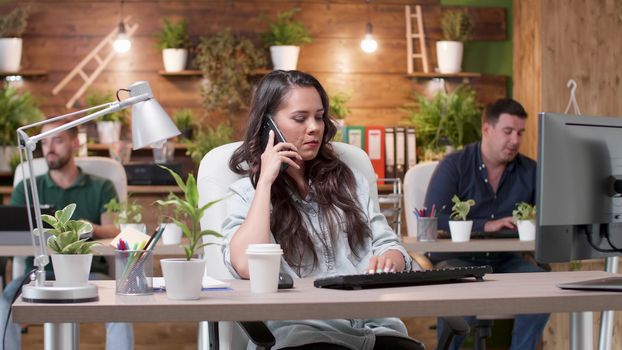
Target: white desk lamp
x=150, y=125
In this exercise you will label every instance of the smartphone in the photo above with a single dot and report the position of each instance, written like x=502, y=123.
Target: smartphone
x=268, y=125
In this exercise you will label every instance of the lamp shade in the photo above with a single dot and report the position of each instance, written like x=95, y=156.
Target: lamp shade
x=150, y=122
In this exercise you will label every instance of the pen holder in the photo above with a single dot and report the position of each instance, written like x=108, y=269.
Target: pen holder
x=426, y=229
x=134, y=272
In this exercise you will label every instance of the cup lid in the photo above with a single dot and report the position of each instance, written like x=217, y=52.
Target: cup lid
x=263, y=247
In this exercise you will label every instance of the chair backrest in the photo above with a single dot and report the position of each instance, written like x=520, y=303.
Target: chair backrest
x=214, y=178
x=416, y=183
x=103, y=167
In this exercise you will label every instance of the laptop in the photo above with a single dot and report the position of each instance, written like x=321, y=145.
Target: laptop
x=609, y=284
x=14, y=228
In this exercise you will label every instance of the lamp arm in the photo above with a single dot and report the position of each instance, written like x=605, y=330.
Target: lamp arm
x=28, y=144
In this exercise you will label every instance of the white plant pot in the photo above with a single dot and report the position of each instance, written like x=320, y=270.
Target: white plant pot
x=174, y=59
x=109, y=132
x=449, y=56
x=284, y=57
x=526, y=230
x=171, y=234
x=183, y=278
x=73, y=268
x=6, y=152
x=136, y=226
x=10, y=54
x=460, y=230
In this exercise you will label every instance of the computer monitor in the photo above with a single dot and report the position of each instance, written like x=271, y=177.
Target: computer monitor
x=579, y=186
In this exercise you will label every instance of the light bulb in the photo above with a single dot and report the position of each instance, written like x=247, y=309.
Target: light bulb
x=122, y=43
x=368, y=44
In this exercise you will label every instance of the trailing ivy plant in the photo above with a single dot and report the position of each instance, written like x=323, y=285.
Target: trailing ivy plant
x=456, y=26
x=205, y=141
x=448, y=119
x=14, y=24
x=285, y=30
x=227, y=61
x=173, y=35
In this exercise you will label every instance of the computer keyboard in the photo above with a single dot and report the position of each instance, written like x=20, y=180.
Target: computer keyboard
x=484, y=234
x=400, y=279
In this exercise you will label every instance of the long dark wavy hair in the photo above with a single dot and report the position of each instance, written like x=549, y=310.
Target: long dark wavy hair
x=334, y=186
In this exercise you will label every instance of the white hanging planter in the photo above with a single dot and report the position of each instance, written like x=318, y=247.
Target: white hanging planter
x=449, y=56
x=460, y=230
x=526, y=230
x=10, y=54
x=6, y=152
x=183, y=278
x=109, y=132
x=140, y=227
x=174, y=59
x=72, y=268
x=284, y=57
x=171, y=234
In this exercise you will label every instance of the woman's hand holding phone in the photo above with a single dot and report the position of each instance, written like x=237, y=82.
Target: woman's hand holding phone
x=274, y=155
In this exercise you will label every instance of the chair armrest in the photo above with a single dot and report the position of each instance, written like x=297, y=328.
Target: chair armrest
x=454, y=326
x=422, y=260
x=258, y=333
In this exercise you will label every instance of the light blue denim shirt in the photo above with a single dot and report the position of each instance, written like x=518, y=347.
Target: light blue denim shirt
x=337, y=259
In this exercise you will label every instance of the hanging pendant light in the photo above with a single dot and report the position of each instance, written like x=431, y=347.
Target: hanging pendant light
x=369, y=44
x=122, y=43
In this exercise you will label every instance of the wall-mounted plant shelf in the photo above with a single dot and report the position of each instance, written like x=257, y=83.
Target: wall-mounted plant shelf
x=25, y=73
x=445, y=75
x=198, y=73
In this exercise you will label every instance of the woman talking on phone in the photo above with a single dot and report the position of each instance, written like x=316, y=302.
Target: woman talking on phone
x=317, y=208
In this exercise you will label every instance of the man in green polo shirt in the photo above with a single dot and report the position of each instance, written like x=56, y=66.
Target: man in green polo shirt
x=63, y=184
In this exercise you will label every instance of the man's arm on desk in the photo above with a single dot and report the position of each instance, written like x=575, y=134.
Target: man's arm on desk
x=499, y=224
x=107, y=229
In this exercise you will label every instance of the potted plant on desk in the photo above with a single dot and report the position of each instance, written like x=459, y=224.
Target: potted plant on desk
x=524, y=216
x=183, y=277
x=72, y=261
x=459, y=226
x=127, y=214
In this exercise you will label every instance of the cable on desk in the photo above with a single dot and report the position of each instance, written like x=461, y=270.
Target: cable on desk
x=8, y=315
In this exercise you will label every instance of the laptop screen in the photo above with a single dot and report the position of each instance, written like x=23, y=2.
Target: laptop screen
x=15, y=217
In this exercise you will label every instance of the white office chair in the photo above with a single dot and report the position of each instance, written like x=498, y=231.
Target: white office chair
x=103, y=167
x=416, y=183
x=213, y=181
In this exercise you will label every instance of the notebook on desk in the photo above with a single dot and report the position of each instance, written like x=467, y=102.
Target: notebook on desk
x=484, y=235
x=14, y=227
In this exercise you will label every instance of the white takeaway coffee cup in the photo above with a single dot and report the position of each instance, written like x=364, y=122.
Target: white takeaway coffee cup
x=264, y=263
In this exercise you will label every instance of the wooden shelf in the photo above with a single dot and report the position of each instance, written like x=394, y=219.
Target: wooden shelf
x=149, y=189
x=25, y=73
x=445, y=75
x=198, y=73
x=182, y=73
x=104, y=146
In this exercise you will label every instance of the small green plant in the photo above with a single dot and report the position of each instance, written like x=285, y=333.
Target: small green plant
x=456, y=26
x=452, y=118
x=97, y=98
x=337, y=105
x=227, y=61
x=461, y=209
x=285, y=30
x=173, y=35
x=189, y=206
x=14, y=24
x=16, y=110
x=205, y=141
x=524, y=211
x=66, y=233
x=127, y=212
x=184, y=119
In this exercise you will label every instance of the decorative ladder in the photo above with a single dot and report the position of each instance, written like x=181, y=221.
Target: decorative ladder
x=101, y=63
x=418, y=35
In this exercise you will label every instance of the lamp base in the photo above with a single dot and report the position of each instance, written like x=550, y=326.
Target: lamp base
x=59, y=293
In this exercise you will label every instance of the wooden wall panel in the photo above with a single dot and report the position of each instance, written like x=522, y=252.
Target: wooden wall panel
x=377, y=82
x=527, y=70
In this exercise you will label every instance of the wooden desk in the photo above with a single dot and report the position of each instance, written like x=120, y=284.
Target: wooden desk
x=475, y=245
x=498, y=294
